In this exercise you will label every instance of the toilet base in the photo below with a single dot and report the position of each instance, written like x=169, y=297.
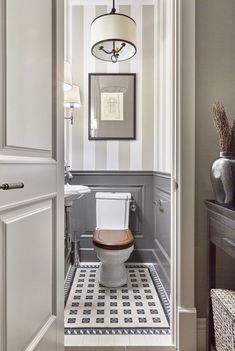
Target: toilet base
x=112, y=276
x=112, y=271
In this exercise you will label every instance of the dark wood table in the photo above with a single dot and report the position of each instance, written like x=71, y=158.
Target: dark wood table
x=221, y=234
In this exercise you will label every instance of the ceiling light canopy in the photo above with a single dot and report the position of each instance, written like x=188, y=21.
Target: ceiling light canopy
x=113, y=37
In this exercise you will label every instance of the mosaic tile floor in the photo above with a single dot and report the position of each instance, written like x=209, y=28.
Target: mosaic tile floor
x=139, y=307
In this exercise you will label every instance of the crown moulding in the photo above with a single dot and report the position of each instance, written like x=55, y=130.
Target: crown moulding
x=109, y=2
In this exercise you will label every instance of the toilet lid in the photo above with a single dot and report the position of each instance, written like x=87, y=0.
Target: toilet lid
x=113, y=239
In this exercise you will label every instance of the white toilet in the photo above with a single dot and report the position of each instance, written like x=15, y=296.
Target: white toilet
x=113, y=241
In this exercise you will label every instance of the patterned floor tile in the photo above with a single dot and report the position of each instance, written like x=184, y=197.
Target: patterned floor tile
x=141, y=307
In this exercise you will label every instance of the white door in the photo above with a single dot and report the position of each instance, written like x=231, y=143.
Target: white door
x=31, y=152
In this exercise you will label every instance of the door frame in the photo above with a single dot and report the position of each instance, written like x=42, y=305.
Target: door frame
x=183, y=172
x=56, y=159
x=59, y=147
x=182, y=66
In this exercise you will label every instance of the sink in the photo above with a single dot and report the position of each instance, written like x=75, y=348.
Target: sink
x=74, y=192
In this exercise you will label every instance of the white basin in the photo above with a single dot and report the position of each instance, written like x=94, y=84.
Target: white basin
x=74, y=192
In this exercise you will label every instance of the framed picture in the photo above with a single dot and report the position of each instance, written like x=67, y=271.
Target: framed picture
x=112, y=110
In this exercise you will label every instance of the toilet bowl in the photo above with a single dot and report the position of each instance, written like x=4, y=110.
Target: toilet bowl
x=113, y=241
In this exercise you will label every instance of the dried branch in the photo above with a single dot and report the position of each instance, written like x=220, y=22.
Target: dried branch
x=222, y=127
x=232, y=145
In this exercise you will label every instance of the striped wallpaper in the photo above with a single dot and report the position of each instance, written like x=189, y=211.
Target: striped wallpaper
x=152, y=135
x=163, y=86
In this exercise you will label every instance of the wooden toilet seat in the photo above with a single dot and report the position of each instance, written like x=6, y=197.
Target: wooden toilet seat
x=113, y=239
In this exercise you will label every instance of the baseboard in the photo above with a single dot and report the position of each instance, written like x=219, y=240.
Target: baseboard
x=201, y=334
x=187, y=329
x=144, y=256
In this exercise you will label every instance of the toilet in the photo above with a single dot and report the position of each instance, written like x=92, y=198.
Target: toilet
x=113, y=241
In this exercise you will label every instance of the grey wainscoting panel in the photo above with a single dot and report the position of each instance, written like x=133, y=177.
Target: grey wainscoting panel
x=161, y=223
x=140, y=185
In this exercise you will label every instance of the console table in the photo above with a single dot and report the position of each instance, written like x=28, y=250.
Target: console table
x=221, y=233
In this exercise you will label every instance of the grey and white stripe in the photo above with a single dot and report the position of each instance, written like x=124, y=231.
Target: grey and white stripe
x=163, y=87
x=77, y=42
x=148, y=88
x=144, y=153
x=89, y=66
x=124, y=145
x=100, y=145
x=136, y=67
x=112, y=145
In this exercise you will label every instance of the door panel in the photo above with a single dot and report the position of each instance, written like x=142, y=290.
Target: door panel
x=29, y=73
x=38, y=179
x=48, y=344
x=29, y=270
x=31, y=151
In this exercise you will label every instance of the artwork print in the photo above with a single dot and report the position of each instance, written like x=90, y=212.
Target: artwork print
x=111, y=107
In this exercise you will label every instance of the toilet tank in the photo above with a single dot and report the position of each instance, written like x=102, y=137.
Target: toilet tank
x=112, y=210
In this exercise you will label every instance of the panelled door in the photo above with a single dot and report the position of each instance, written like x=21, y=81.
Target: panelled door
x=31, y=175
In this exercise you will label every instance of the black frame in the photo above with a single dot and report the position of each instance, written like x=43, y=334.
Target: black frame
x=133, y=75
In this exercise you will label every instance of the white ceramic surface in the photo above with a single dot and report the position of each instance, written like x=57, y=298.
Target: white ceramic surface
x=112, y=271
x=112, y=210
x=74, y=192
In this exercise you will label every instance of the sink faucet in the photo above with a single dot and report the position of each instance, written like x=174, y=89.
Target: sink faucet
x=67, y=174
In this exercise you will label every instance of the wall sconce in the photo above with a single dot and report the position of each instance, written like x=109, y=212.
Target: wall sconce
x=67, y=76
x=72, y=100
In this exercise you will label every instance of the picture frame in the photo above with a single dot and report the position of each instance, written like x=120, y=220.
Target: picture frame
x=112, y=106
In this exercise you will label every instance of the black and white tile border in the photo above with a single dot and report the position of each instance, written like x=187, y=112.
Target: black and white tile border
x=161, y=291
x=68, y=282
x=122, y=331
x=117, y=331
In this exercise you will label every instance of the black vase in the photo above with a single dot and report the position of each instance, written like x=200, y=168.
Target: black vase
x=223, y=179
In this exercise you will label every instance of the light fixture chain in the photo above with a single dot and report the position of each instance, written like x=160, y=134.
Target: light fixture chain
x=113, y=9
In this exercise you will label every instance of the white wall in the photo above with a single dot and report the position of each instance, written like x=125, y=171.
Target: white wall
x=215, y=80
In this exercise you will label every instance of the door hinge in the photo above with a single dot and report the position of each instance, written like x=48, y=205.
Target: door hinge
x=176, y=186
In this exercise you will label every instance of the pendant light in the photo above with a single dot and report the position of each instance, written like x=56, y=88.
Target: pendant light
x=113, y=37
